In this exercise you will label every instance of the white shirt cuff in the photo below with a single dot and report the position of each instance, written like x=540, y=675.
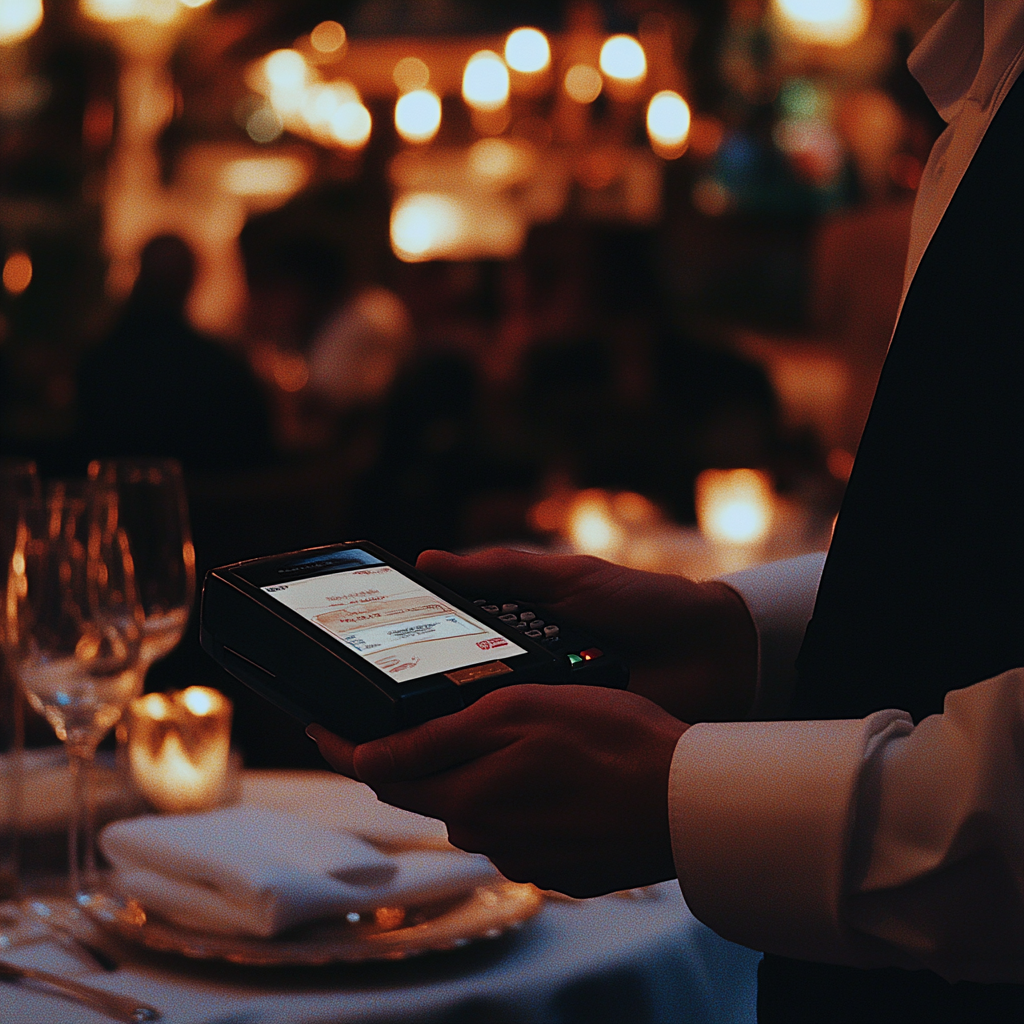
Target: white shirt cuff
x=780, y=597
x=761, y=815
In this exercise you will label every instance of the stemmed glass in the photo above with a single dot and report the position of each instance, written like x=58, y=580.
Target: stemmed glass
x=18, y=482
x=74, y=633
x=153, y=510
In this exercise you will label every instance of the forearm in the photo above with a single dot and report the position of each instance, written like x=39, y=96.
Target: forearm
x=864, y=842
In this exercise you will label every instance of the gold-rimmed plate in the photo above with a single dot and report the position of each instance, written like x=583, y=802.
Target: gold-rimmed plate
x=389, y=934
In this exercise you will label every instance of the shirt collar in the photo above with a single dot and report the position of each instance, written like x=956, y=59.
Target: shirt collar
x=966, y=53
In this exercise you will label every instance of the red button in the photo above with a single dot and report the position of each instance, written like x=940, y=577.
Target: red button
x=591, y=653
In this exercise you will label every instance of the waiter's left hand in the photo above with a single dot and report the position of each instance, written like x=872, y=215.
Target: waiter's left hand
x=562, y=786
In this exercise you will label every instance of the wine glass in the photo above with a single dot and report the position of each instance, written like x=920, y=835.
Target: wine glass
x=73, y=633
x=18, y=482
x=153, y=510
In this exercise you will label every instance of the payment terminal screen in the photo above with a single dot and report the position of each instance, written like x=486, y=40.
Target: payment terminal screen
x=395, y=624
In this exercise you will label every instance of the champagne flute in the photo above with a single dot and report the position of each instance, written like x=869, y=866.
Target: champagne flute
x=73, y=634
x=154, y=512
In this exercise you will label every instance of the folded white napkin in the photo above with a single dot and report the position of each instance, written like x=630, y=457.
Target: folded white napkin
x=332, y=801
x=258, y=872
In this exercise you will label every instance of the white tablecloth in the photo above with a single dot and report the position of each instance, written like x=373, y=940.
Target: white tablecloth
x=607, y=959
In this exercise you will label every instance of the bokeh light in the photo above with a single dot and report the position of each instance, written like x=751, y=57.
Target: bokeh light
x=418, y=115
x=286, y=70
x=327, y=37
x=263, y=125
x=321, y=102
x=351, y=124
x=485, y=82
x=19, y=19
x=423, y=224
x=668, y=121
x=527, y=50
x=17, y=272
x=500, y=161
x=157, y=12
x=198, y=699
x=583, y=83
x=824, y=22
x=734, y=506
x=591, y=524
x=623, y=59
x=264, y=176
x=411, y=73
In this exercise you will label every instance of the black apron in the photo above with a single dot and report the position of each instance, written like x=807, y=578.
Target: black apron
x=923, y=589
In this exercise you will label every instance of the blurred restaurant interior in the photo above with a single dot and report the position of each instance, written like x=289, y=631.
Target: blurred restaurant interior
x=611, y=277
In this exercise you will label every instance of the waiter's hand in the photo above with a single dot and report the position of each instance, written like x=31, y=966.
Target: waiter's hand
x=691, y=647
x=562, y=786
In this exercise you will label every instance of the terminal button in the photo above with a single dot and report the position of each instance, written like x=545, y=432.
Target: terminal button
x=591, y=653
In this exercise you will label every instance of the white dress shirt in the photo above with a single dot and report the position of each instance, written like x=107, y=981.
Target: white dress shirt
x=870, y=842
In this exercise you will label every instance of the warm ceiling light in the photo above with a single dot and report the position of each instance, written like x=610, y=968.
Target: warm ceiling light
x=19, y=19
x=17, y=272
x=668, y=120
x=827, y=22
x=418, y=115
x=327, y=37
x=583, y=83
x=527, y=50
x=411, y=73
x=485, y=81
x=622, y=58
x=263, y=176
x=424, y=224
x=350, y=124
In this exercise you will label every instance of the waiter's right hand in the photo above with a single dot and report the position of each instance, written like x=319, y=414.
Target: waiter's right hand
x=692, y=647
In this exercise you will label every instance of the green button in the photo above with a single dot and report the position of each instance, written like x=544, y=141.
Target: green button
x=575, y=659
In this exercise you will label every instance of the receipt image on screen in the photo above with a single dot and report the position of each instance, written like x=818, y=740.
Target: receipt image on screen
x=394, y=623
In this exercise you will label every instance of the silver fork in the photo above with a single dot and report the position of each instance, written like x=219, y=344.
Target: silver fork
x=122, y=1008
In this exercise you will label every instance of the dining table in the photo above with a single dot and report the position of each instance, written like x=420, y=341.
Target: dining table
x=637, y=956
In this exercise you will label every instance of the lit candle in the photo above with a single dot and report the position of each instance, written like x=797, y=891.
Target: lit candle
x=734, y=506
x=178, y=748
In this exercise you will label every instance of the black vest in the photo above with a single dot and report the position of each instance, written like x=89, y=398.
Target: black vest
x=923, y=590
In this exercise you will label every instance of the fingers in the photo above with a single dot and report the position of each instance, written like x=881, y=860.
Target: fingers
x=507, y=573
x=336, y=751
x=435, y=746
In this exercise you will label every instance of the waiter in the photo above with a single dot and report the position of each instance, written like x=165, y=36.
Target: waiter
x=873, y=843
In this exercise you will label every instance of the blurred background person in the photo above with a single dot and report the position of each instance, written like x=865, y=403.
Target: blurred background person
x=156, y=387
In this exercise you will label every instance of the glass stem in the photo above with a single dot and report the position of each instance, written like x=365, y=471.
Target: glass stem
x=81, y=839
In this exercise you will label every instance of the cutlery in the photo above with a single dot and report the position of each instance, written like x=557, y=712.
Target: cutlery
x=122, y=1008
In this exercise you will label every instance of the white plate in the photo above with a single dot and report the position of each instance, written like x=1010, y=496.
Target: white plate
x=390, y=934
